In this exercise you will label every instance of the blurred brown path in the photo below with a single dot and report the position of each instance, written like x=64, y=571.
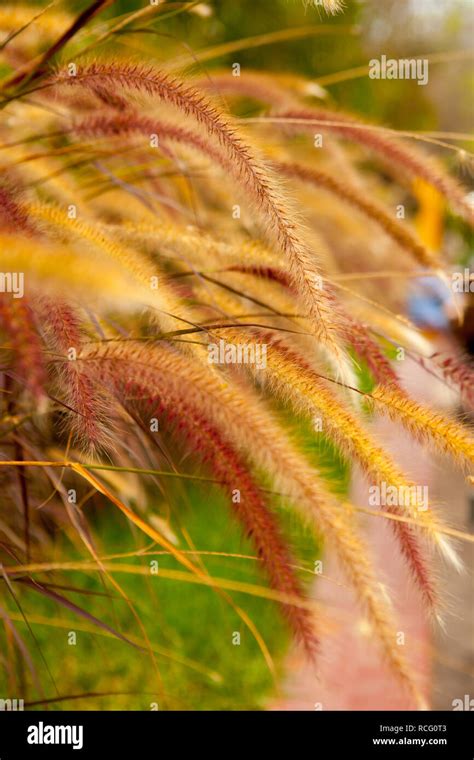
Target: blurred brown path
x=351, y=673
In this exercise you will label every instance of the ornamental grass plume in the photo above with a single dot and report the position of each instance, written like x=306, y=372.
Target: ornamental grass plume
x=255, y=178
x=156, y=229
x=253, y=430
x=330, y=6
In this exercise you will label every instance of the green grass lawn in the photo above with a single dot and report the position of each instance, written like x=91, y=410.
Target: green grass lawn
x=199, y=665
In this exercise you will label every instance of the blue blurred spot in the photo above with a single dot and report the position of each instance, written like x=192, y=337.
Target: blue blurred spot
x=426, y=303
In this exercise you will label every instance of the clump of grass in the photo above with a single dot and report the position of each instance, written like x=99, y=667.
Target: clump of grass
x=151, y=226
